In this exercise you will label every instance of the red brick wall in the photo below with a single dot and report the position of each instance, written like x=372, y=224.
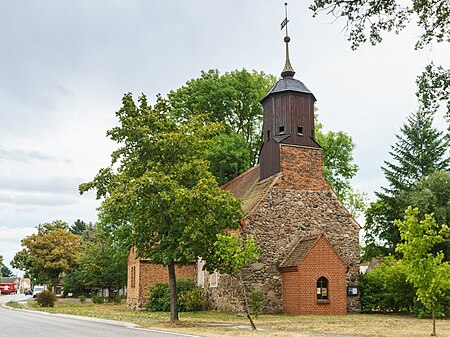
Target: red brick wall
x=299, y=287
x=147, y=274
x=302, y=169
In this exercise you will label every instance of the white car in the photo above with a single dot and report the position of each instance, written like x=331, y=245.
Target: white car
x=38, y=290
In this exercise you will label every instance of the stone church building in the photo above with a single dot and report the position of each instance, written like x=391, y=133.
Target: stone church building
x=309, y=260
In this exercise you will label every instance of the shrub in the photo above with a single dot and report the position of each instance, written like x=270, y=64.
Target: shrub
x=386, y=289
x=192, y=300
x=115, y=299
x=256, y=301
x=98, y=299
x=46, y=299
x=82, y=298
x=160, y=296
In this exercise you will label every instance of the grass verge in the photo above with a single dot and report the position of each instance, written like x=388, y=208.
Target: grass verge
x=222, y=324
x=15, y=305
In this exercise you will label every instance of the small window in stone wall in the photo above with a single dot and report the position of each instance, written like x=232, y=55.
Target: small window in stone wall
x=213, y=279
x=200, y=273
x=281, y=130
x=133, y=277
x=300, y=130
x=268, y=135
x=322, y=288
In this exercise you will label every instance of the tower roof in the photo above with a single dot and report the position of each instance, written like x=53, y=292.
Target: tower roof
x=288, y=84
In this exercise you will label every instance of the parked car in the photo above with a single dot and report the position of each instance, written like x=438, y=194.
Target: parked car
x=28, y=292
x=38, y=290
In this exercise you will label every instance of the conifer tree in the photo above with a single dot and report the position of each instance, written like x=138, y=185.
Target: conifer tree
x=420, y=150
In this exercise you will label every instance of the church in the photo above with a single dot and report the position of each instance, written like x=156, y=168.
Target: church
x=309, y=262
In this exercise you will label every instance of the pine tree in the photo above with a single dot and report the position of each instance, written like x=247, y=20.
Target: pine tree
x=420, y=150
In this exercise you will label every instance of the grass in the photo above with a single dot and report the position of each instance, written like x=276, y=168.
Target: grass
x=223, y=324
x=13, y=304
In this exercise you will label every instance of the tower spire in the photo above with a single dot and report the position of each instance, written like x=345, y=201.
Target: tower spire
x=288, y=71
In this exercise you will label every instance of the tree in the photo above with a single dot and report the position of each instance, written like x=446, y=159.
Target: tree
x=49, y=253
x=79, y=227
x=426, y=270
x=420, y=150
x=160, y=188
x=433, y=87
x=367, y=19
x=432, y=195
x=5, y=272
x=339, y=168
x=102, y=262
x=231, y=99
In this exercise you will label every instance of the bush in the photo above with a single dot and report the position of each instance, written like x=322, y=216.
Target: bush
x=385, y=289
x=160, y=296
x=256, y=302
x=115, y=299
x=98, y=299
x=192, y=300
x=82, y=298
x=442, y=307
x=46, y=299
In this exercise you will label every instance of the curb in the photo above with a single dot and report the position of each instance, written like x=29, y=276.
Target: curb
x=96, y=320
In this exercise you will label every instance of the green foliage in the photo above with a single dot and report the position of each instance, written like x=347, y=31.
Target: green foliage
x=256, y=302
x=102, y=262
x=337, y=158
x=433, y=88
x=442, y=307
x=49, y=253
x=159, y=187
x=114, y=299
x=231, y=99
x=46, y=299
x=192, y=300
x=5, y=272
x=98, y=299
x=229, y=156
x=189, y=296
x=386, y=289
x=367, y=19
x=82, y=298
x=232, y=253
x=420, y=151
x=426, y=269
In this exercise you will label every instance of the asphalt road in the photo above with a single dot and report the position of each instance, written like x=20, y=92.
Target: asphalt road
x=20, y=323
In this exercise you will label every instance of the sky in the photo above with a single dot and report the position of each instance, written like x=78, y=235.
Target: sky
x=65, y=65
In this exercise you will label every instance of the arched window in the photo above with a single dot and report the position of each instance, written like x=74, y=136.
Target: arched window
x=322, y=288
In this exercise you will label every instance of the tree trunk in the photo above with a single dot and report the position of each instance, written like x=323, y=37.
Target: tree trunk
x=173, y=293
x=249, y=316
x=433, y=311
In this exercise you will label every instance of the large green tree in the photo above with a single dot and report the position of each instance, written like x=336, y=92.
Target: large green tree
x=420, y=150
x=231, y=99
x=159, y=187
x=49, y=253
x=426, y=269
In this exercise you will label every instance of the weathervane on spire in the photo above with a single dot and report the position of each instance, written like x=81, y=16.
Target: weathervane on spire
x=288, y=71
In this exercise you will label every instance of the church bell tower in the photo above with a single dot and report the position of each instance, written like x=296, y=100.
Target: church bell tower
x=288, y=116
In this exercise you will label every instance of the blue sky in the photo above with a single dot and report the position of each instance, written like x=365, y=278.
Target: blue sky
x=65, y=65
